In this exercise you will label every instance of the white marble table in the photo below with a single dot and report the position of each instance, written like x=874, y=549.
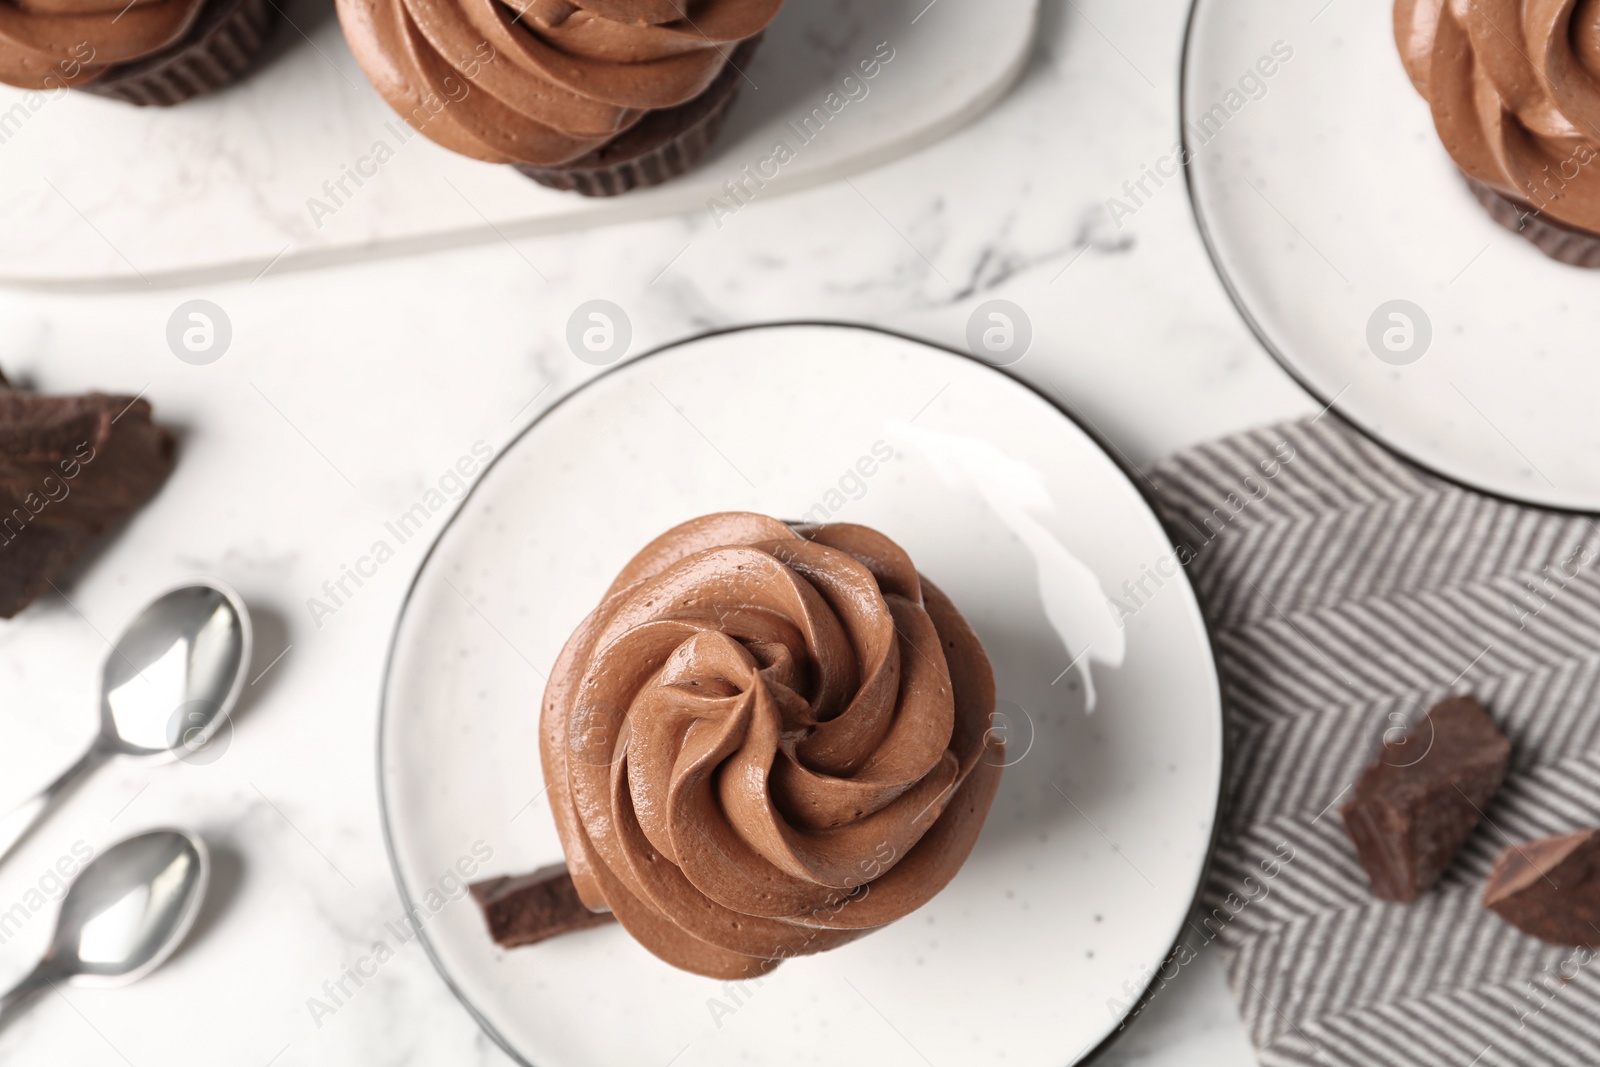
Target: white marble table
x=346, y=393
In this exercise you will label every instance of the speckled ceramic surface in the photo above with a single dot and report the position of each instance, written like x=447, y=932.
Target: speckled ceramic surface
x=1351, y=243
x=303, y=164
x=1099, y=835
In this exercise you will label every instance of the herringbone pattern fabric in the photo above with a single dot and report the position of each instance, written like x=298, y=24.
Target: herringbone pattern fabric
x=1347, y=592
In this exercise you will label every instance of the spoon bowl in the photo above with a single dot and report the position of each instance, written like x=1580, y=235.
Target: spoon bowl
x=175, y=672
x=130, y=908
x=167, y=687
x=124, y=915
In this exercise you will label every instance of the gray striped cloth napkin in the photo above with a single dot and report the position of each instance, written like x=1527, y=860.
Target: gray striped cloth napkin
x=1347, y=591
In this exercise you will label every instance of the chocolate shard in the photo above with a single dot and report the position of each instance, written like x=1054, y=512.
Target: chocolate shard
x=70, y=467
x=523, y=909
x=1416, y=806
x=1550, y=888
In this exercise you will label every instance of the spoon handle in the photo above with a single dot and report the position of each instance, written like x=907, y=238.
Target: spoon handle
x=15, y=826
x=12, y=998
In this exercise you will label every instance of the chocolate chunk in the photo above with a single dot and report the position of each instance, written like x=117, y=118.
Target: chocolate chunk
x=1550, y=888
x=1416, y=806
x=525, y=908
x=70, y=467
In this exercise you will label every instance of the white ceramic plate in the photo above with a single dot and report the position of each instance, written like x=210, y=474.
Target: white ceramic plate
x=96, y=193
x=1097, y=841
x=1325, y=194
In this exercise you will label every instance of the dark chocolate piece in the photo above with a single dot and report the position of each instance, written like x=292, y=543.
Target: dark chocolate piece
x=522, y=909
x=1550, y=888
x=1416, y=806
x=70, y=467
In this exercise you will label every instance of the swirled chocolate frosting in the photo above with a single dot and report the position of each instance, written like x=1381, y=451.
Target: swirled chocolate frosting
x=767, y=741
x=1515, y=91
x=55, y=44
x=542, y=82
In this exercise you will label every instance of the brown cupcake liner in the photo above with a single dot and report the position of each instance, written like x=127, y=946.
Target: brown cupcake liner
x=663, y=145
x=1567, y=244
x=222, y=46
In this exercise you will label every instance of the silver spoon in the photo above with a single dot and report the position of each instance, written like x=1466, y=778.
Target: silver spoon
x=165, y=690
x=124, y=915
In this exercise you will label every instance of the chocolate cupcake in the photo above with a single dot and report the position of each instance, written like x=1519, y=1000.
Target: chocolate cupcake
x=1515, y=92
x=593, y=96
x=147, y=52
x=767, y=741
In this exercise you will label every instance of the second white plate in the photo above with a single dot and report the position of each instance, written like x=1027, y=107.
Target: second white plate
x=1330, y=206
